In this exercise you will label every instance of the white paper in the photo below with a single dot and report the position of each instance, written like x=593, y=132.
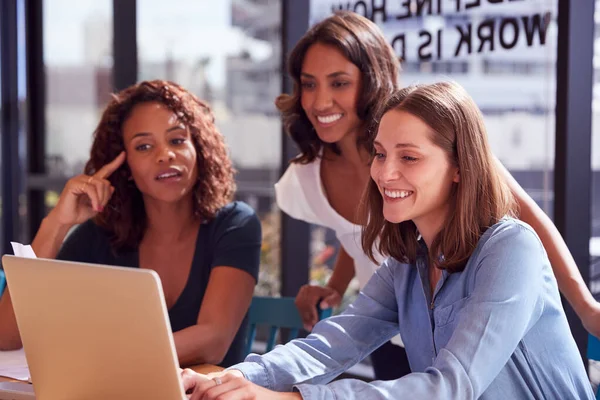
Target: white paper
x=22, y=250
x=13, y=364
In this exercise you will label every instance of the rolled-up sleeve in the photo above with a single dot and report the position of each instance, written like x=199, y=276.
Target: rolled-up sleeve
x=509, y=275
x=335, y=344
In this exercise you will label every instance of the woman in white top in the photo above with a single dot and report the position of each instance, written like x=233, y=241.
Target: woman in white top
x=341, y=68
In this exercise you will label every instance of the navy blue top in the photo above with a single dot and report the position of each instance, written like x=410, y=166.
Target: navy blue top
x=232, y=238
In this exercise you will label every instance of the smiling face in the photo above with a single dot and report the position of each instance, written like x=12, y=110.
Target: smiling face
x=160, y=153
x=330, y=88
x=414, y=176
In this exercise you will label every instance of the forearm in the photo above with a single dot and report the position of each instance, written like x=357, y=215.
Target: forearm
x=49, y=238
x=343, y=272
x=335, y=344
x=201, y=344
x=46, y=244
x=570, y=281
x=10, y=338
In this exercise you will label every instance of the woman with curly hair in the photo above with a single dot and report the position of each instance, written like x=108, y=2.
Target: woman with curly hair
x=157, y=194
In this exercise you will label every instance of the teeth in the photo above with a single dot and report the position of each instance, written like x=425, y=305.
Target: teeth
x=167, y=175
x=395, y=194
x=328, y=119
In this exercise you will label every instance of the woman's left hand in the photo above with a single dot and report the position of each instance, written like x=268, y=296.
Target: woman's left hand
x=229, y=385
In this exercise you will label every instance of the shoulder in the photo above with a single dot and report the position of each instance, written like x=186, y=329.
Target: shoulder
x=298, y=192
x=297, y=173
x=512, y=244
x=235, y=238
x=235, y=216
x=236, y=211
x=509, y=232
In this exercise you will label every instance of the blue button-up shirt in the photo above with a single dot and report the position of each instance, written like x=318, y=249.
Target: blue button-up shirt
x=496, y=330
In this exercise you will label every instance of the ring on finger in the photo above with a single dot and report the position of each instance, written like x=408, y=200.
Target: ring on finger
x=217, y=381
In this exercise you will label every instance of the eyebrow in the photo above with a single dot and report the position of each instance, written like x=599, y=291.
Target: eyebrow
x=399, y=145
x=176, y=127
x=140, y=134
x=171, y=129
x=332, y=75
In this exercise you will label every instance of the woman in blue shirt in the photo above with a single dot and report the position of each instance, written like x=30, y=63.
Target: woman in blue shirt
x=469, y=288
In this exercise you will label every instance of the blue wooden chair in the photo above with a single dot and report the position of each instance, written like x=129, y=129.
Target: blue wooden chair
x=276, y=312
x=2, y=282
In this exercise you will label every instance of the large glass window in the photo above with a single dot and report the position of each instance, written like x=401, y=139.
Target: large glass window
x=595, y=237
x=78, y=62
x=227, y=53
x=504, y=54
x=594, y=369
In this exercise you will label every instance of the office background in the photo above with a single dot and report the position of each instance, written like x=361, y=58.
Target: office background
x=533, y=77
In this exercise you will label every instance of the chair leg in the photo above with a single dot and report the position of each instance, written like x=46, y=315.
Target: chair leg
x=272, y=337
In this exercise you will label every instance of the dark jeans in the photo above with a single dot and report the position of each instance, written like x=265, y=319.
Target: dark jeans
x=390, y=362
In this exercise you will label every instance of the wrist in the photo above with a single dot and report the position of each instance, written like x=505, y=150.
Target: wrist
x=337, y=288
x=586, y=306
x=53, y=222
x=52, y=227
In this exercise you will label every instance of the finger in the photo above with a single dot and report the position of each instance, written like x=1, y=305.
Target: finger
x=111, y=167
x=240, y=393
x=98, y=186
x=194, y=382
x=228, y=384
x=307, y=305
x=85, y=188
x=103, y=188
x=201, y=389
x=108, y=191
x=188, y=378
x=312, y=294
x=305, y=309
x=331, y=300
x=310, y=318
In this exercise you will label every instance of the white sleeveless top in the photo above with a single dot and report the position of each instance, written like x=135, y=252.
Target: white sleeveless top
x=300, y=194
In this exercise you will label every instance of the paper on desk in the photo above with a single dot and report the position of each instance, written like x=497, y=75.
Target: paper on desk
x=13, y=364
x=22, y=250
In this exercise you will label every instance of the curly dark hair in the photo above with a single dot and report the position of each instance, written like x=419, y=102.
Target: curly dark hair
x=360, y=41
x=124, y=218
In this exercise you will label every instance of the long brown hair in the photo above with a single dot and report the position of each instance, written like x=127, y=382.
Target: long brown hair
x=363, y=44
x=479, y=200
x=125, y=217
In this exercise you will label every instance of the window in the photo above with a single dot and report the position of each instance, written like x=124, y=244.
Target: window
x=78, y=63
x=595, y=235
x=228, y=53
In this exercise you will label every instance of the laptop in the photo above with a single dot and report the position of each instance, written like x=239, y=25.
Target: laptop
x=92, y=332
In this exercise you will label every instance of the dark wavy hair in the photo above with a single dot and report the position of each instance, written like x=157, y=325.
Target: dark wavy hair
x=124, y=218
x=363, y=44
